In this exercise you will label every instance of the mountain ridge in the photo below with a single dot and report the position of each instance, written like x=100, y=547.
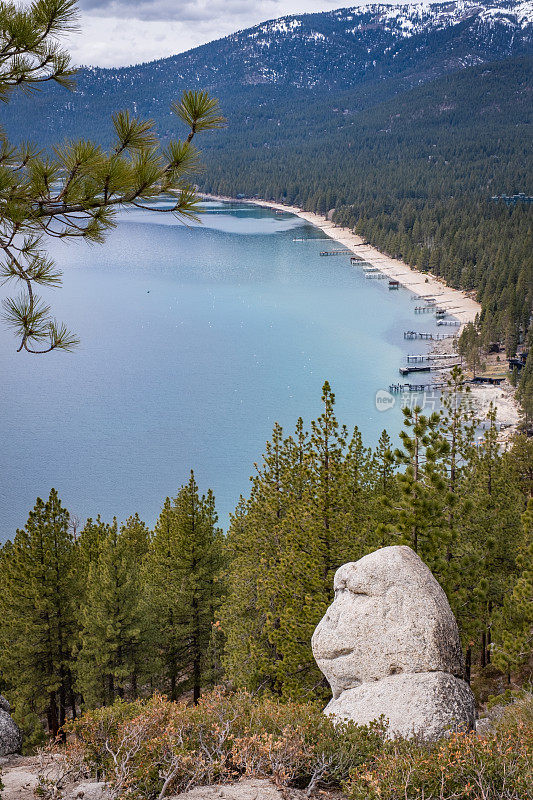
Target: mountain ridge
x=392, y=47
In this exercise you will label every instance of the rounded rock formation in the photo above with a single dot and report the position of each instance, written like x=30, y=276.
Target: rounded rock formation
x=10, y=735
x=389, y=645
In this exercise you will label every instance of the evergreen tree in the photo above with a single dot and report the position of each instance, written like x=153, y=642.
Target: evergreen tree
x=514, y=623
x=418, y=513
x=469, y=347
x=520, y=458
x=37, y=610
x=525, y=386
x=327, y=499
x=75, y=190
x=308, y=513
x=253, y=549
x=109, y=658
x=183, y=590
x=384, y=461
x=490, y=537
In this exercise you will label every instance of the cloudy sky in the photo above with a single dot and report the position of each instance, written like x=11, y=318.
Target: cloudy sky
x=119, y=32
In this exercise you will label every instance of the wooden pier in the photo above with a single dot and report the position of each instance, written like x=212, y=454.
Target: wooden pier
x=417, y=335
x=409, y=369
x=420, y=359
x=453, y=322
x=336, y=253
x=424, y=309
x=431, y=337
x=414, y=387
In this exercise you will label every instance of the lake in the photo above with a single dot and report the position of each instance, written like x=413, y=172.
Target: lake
x=194, y=341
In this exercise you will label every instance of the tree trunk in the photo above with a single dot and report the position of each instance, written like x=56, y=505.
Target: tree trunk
x=173, y=687
x=72, y=703
x=197, y=656
x=196, y=689
x=62, y=712
x=52, y=716
x=468, y=665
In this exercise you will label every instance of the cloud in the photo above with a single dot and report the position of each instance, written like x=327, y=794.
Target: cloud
x=185, y=11
x=123, y=32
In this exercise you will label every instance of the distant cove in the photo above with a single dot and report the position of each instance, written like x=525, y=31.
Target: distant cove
x=195, y=340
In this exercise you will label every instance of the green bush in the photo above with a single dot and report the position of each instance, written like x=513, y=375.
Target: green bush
x=145, y=747
x=497, y=766
x=507, y=697
x=153, y=748
x=33, y=733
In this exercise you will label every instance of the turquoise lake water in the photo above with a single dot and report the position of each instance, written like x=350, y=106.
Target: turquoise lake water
x=194, y=341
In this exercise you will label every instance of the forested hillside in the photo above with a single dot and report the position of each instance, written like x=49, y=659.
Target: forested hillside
x=414, y=175
x=105, y=612
x=404, y=119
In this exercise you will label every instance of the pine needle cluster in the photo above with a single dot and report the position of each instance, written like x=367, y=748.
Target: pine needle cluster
x=75, y=190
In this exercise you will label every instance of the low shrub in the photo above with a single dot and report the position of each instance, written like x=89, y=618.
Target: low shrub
x=497, y=766
x=153, y=748
x=33, y=733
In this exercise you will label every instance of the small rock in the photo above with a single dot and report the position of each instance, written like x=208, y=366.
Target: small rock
x=10, y=735
x=246, y=790
x=5, y=704
x=89, y=790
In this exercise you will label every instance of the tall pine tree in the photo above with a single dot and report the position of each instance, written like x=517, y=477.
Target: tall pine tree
x=183, y=591
x=110, y=655
x=37, y=611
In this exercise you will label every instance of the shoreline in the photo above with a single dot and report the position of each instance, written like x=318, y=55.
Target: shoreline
x=423, y=284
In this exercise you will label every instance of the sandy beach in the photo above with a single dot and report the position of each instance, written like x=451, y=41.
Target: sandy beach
x=423, y=284
x=457, y=303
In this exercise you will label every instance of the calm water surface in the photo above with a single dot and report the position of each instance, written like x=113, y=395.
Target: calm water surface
x=194, y=341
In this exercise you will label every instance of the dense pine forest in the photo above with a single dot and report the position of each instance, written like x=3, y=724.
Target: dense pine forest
x=106, y=611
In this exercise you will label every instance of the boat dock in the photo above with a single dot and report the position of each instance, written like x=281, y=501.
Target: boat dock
x=409, y=369
x=415, y=387
x=420, y=359
x=431, y=337
x=336, y=253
